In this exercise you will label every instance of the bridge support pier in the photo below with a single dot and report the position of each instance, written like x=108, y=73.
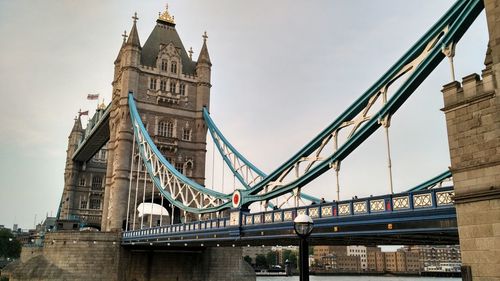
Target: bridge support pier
x=84, y=256
x=203, y=264
x=472, y=110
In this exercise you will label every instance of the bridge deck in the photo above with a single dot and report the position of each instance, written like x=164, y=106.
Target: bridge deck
x=423, y=217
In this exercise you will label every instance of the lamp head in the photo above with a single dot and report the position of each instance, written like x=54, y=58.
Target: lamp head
x=303, y=225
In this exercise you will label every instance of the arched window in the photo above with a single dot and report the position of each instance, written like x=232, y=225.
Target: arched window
x=163, y=85
x=82, y=181
x=166, y=129
x=173, y=67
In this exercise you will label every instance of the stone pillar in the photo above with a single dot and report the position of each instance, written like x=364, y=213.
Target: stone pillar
x=472, y=110
x=189, y=264
x=119, y=154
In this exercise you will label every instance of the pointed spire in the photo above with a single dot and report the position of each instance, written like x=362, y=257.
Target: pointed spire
x=133, y=38
x=124, y=35
x=77, y=127
x=204, y=57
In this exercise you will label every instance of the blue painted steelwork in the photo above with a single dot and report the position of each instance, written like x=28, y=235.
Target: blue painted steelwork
x=432, y=182
x=144, y=141
x=421, y=59
x=456, y=20
x=380, y=215
x=217, y=134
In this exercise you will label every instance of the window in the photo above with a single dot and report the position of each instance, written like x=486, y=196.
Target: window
x=183, y=89
x=96, y=182
x=164, y=65
x=166, y=129
x=82, y=181
x=83, y=203
x=95, y=204
x=186, y=134
x=103, y=154
x=173, y=67
x=163, y=85
x=172, y=87
x=179, y=167
x=152, y=84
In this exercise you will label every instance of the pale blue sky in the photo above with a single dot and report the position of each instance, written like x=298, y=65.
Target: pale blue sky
x=282, y=71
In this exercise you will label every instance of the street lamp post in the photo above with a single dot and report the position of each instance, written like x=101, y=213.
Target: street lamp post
x=303, y=226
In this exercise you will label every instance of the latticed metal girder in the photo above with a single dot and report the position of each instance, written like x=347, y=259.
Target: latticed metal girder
x=179, y=190
x=435, y=182
x=246, y=172
x=361, y=119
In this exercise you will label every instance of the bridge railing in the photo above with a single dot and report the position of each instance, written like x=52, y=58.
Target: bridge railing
x=401, y=202
x=434, y=198
x=211, y=224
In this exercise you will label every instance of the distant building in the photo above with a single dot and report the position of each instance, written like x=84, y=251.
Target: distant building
x=349, y=263
x=341, y=263
x=434, y=257
x=323, y=251
x=375, y=259
x=361, y=252
x=402, y=261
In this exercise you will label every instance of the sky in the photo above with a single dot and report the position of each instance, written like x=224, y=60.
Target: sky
x=282, y=71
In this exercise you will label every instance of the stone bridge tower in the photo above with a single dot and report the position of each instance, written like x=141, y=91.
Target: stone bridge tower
x=170, y=90
x=472, y=110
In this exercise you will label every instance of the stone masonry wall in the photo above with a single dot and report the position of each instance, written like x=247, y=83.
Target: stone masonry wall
x=70, y=256
x=472, y=112
x=210, y=264
x=84, y=256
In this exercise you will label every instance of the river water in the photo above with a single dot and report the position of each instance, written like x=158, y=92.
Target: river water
x=357, y=278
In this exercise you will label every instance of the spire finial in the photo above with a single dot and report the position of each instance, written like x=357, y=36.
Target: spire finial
x=124, y=35
x=205, y=36
x=102, y=106
x=165, y=16
x=190, y=52
x=135, y=18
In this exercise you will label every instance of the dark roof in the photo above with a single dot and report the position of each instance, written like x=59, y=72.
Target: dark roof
x=164, y=34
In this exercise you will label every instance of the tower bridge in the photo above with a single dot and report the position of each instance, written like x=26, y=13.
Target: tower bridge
x=155, y=132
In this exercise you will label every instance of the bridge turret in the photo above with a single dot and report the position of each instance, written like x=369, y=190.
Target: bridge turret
x=472, y=110
x=132, y=48
x=70, y=171
x=170, y=91
x=203, y=71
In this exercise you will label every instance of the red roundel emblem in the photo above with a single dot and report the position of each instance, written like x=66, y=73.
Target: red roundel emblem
x=236, y=199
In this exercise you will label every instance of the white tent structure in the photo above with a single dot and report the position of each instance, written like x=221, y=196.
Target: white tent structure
x=146, y=209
